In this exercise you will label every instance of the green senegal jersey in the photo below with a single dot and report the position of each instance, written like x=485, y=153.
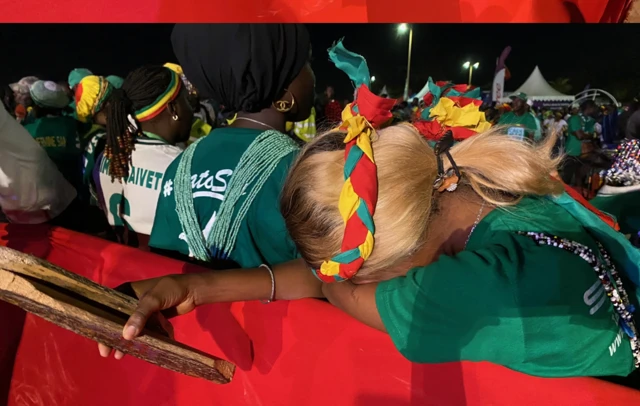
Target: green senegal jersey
x=262, y=236
x=536, y=309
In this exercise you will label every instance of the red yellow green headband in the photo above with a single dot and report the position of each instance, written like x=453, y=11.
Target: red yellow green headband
x=359, y=194
x=169, y=95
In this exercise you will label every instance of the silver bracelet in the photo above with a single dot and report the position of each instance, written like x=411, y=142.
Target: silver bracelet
x=273, y=285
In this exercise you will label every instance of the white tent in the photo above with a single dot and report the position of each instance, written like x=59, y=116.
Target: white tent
x=538, y=89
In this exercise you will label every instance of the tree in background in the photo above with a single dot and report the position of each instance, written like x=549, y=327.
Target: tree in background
x=562, y=85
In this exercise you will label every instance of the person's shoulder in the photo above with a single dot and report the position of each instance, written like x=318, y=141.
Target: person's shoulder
x=170, y=152
x=531, y=213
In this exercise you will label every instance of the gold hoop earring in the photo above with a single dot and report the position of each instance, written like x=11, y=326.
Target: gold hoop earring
x=285, y=106
x=175, y=117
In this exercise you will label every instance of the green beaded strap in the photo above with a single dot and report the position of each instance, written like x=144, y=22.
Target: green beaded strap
x=185, y=207
x=253, y=170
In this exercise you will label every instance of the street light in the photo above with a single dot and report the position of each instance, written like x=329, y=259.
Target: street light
x=402, y=29
x=373, y=79
x=468, y=65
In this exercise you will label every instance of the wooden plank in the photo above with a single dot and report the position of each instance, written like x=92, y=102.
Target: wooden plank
x=23, y=264
x=102, y=323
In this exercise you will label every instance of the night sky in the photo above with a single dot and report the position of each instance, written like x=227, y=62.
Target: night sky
x=600, y=55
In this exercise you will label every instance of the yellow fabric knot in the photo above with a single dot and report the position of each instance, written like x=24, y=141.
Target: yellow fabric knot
x=447, y=113
x=359, y=128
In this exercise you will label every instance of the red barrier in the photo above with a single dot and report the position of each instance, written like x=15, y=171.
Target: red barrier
x=288, y=353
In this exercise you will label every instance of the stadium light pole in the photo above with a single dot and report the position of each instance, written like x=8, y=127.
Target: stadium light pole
x=471, y=67
x=402, y=29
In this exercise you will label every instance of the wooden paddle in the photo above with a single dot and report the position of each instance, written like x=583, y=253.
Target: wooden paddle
x=98, y=313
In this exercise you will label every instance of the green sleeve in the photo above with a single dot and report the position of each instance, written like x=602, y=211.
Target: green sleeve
x=266, y=223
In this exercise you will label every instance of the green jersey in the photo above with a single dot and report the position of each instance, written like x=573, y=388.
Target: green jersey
x=573, y=146
x=505, y=299
x=59, y=137
x=520, y=127
x=262, y=237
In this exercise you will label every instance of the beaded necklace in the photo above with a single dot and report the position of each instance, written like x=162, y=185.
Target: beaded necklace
x=608, y=276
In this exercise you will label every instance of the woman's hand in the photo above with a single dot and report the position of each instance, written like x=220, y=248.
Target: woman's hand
x=179, y=294
x=173, y=295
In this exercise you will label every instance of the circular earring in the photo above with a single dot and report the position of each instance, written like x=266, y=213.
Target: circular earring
x=285, y=106
x=175, y=117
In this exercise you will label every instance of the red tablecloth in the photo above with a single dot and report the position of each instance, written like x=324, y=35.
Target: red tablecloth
x=287, y=353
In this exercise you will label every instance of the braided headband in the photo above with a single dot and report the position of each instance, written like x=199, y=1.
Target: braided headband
x=169, y=95
x=359, y=194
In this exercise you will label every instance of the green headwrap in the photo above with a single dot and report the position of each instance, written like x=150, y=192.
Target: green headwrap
x=116, y=81
x=77, y=75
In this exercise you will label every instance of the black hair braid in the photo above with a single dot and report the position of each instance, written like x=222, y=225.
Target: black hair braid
x=139, y=90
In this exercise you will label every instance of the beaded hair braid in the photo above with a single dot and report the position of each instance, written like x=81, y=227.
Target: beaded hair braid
x=140, y=89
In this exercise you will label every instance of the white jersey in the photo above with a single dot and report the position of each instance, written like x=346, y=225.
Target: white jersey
x=32, y=189
x=134, y=202
x=557, y=127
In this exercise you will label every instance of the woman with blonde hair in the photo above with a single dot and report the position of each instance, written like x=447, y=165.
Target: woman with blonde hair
x=459, y=252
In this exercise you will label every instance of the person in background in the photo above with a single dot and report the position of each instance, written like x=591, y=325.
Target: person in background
x=577, y=134
x=632, y=124
x=610, y=124
x=32, y=189
x=597, y=130
x=145, y=119
x=547, y=120
x=219, y=200
x=573, y=111
x=73, y=80
x=91, y=98
x=321, y=103
x=518, y=122
x=203, y=114
x=22, y=96
x=537, y=136
x=55, y=132
x=557, y=125
x=589, y=114
x=332, y=114
x=305, y=130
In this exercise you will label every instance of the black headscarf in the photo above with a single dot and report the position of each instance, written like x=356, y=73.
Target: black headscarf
x=244, y=67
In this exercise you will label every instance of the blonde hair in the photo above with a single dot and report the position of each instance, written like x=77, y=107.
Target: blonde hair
x=499, y=169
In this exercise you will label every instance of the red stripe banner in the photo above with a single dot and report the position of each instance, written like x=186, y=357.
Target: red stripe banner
x=315, y=11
